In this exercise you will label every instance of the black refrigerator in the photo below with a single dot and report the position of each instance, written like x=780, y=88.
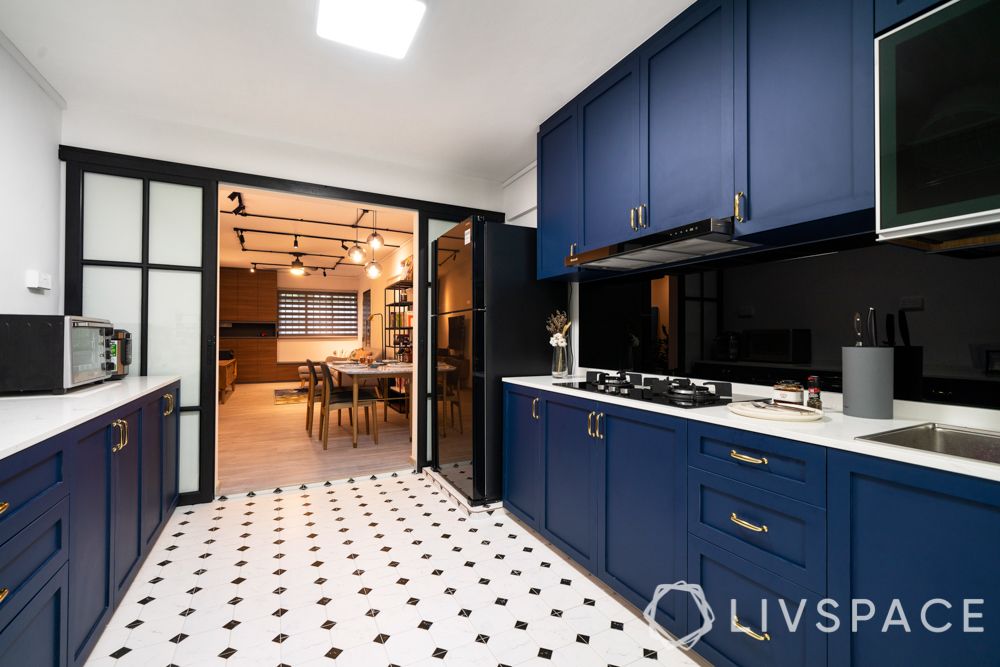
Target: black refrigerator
x=487, y=321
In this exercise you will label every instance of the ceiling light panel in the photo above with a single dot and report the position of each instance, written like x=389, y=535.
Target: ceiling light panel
x=386, y=27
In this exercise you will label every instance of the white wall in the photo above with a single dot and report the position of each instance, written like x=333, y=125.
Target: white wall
x=30, y=186
x=106, y=130
x=520, y=197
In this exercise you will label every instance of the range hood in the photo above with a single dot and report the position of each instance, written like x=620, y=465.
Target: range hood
x=680, y=244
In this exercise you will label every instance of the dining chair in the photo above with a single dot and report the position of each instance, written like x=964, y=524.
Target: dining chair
x=338, y=398
x=314, y=394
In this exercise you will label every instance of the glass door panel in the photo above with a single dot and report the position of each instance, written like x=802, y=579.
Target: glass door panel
x=174, y=329
x=115, y=293
x=187, y=463
x=112, y=209
x=175, y=224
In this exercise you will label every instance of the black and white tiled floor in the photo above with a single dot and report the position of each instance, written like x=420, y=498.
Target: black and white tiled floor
x=371, y=573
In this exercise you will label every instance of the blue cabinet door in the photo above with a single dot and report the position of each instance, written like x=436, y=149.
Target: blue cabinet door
x=90, y=596
x=642, y=529
x=126, y=505
x=609, y=130
x=559, y=223
x=171, y=446
x=913, y=534
x=522, y=453
x=570, y=473
x=686, y=75
x=805, y=114
x=151, y=465
x=37, y=635
x=889, y=13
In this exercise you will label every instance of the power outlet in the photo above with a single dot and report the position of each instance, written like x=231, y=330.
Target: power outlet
x=911, y=303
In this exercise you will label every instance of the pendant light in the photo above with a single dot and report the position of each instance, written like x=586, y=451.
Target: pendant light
x=297, y=268
x=375, y=240
x=373, y=269
x=356, y=253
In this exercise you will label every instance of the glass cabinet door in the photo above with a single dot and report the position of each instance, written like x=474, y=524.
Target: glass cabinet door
x=939, y=116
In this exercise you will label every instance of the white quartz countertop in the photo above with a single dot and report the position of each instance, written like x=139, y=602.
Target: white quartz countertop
x=29, y=419
x=836, y=430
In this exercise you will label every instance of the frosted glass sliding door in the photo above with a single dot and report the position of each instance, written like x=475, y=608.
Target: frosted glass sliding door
x=140, y=242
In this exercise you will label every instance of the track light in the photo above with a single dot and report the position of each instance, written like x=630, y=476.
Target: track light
x=297, y=268
x=343, y=246
x=233, y=195
x=243, y=240
x=324, y=273
x=253, y=268
x=373, y=269
x=295, y=244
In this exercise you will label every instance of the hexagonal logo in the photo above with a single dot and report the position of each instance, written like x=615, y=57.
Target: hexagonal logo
x=688, y=641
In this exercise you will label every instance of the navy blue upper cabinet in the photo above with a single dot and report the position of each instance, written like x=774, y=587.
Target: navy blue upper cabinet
x=570, y=474
x=891, y=12
x=522, y=453
x=686, y=120
x=609, y=130
x=559, y=223
x=642, y=529
x=805, y=111
x=914, y=534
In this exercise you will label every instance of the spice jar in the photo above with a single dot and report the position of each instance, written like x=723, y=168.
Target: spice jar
x=788, y=391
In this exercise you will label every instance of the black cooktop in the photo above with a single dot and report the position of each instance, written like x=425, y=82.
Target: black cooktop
x=676, y=392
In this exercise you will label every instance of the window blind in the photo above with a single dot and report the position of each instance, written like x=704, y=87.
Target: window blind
x=302, y=313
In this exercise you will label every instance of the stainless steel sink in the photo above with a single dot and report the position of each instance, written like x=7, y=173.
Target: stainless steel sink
x=954, y=440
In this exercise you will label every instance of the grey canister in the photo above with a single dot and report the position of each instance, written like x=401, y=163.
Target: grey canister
x=868, y=373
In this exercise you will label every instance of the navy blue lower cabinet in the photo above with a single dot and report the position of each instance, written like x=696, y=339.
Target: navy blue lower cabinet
x=757, y=614
x=37, y=636
x=522, y=453
x=31, y=481
x=90, y=596
x=642, y=526
x=926, y=538
x=171, y=449
x=570, y=474
x=151, y=455
x=785, y=536
x=126, y=488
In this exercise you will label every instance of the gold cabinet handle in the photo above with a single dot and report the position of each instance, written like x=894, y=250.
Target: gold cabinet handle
x=125, y=424
x=641, y=224
x=4, y=506
x=169, y=410
x=4, y=592
x=534, y=408
x=572, y=249
x=631, y=220
x=116, y=425
x=748, y=632
x=598, y=433
x=737, y=213
x=590, y=424
x=746, y=524
x=733, y=454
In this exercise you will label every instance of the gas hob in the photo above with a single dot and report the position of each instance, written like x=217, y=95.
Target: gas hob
x=676, y=392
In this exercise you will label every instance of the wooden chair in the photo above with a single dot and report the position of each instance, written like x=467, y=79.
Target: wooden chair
x=338, y=398
x=314, y=394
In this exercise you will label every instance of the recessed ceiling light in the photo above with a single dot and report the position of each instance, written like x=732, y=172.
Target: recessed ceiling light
x=381, y=26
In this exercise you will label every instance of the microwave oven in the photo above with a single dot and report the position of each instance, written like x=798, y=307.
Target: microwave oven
x=54, y=352
x=937, y=129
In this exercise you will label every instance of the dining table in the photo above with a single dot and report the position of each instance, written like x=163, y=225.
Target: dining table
x=381, y=373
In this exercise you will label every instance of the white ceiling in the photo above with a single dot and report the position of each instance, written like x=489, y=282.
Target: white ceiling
x=467, y=99
x=283, y=204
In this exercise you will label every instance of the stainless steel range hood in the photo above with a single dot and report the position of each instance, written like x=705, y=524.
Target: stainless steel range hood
x=672, y=246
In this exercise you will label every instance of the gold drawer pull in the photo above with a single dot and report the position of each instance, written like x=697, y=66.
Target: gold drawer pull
x=748, y=632
x=733, y=454
x=4, y=592
x=746, y=524
x=4, y=506
x=169, y=410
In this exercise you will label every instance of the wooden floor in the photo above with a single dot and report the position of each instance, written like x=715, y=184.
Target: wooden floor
x=263, y=445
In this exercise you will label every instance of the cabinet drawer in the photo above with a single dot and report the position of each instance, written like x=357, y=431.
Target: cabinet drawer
x=793, y=469
x=736, y=588
x=30, y=483
x=785, y=536
x=30, y=558
x=37, y=635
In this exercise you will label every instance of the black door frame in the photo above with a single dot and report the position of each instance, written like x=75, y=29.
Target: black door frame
x=80, y=160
